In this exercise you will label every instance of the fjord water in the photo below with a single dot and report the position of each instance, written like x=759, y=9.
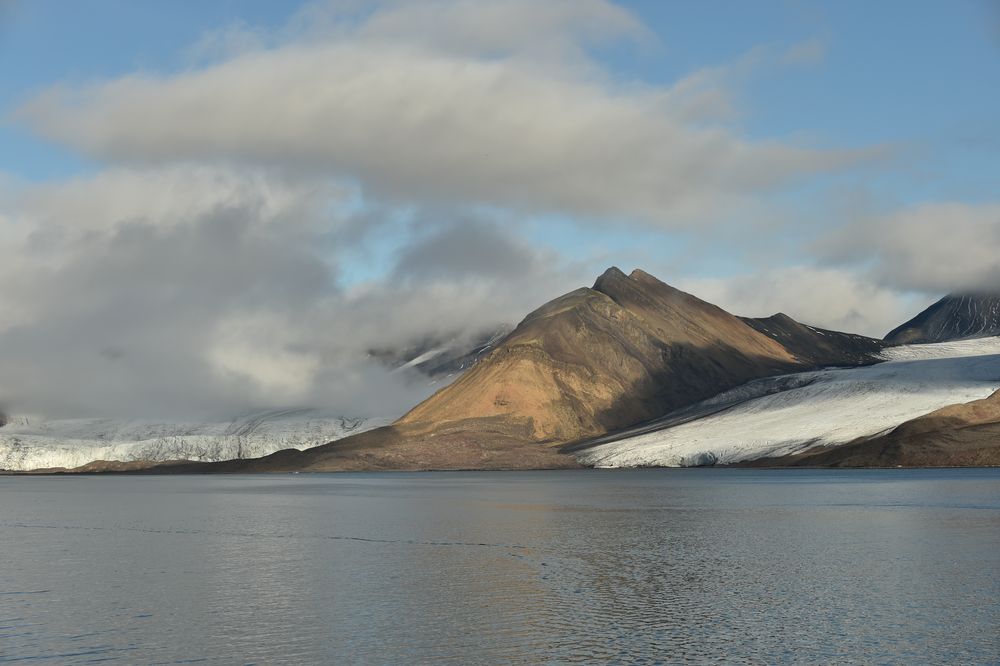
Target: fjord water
x=633, y=566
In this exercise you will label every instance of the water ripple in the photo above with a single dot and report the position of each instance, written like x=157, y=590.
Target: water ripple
x=644, y=567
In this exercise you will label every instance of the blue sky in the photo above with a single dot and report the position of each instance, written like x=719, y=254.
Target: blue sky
x=911, y=76
x=921, y=74
x=443, y=165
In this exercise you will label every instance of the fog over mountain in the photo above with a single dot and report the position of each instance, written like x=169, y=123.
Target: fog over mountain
x=129, y=301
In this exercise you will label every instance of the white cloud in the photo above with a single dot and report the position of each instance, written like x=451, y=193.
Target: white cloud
x=177, y=292
x=933, y=247
x=264, y=348
x=198, y=271
x=446, y=101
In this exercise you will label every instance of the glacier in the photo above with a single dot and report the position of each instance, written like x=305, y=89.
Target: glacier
x=790, y=413
x=28, y=443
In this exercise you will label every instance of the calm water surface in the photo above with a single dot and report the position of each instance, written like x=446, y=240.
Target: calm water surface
x=642, y=566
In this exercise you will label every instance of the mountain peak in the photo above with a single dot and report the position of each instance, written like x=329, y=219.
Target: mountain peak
x=612, y=274
x=643, y=276
x=955, y=317
x=639, y=286
x=595, y=360
x=781, y=317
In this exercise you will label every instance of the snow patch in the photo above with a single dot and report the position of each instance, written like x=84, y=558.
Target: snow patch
x=787, y=414
x=27, y=443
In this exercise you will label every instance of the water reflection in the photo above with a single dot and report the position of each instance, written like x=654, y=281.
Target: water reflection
x=628, y=566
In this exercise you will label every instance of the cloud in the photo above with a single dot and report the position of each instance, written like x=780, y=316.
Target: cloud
x=468, y=249
x=447, y=101
x=180, y=291
x=200, y=268
x=831, y=298
x=933, y=247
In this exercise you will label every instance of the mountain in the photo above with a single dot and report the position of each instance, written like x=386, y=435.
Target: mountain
x=961, y=435
x=627, y=350
x=594, y=361
x=790, y=414
x=630, y=350
x=954, y=317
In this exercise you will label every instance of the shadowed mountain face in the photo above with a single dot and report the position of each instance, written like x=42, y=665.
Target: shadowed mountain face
x=628, y=350
x=956, y=436
x=954, y=317
x=818, y=346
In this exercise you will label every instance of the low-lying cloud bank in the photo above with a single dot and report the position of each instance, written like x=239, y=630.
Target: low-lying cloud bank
x=194, y=290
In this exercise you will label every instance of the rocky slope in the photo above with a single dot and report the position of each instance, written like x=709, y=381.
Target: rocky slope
x=954, y=317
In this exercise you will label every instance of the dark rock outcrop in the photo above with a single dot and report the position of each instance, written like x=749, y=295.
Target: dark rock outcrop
x=954, y=317
x=818, y=346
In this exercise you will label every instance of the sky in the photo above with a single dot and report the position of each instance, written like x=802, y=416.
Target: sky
x=216, y=206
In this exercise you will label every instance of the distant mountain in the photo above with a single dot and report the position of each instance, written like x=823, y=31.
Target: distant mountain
x=954, y=317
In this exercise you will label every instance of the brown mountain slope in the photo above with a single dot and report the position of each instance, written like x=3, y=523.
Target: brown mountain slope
x=964, y=435
x=597, y=360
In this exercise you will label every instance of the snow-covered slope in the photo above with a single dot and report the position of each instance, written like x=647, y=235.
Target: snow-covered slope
x=26, y=443
x=784, y=415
